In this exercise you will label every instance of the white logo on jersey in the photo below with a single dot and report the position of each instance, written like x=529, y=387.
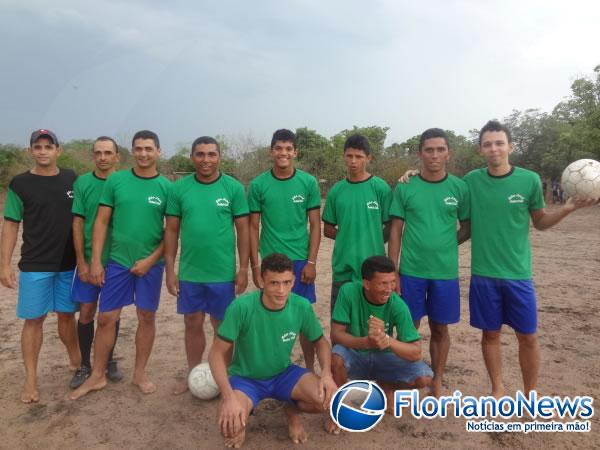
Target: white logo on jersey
x=516, y=198
x=222, y=202
x=289, y=336
x=297, y=198
x=154, y=200
x=372, y=205
x=70, y=194
x=451, y=201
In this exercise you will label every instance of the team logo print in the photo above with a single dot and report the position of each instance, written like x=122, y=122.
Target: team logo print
x=297, y=198
x=358, y=418
x=516, y=198
x=153, y=200
x=222, y=202
x=372, y=205
x=70, y=194
x=289, y=336
x=451, y=201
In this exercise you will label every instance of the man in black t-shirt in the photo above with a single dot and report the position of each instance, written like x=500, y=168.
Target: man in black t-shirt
x=41, y=198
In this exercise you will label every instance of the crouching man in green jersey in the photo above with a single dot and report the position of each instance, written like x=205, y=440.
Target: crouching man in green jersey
x=362, y=325
x=262, y=327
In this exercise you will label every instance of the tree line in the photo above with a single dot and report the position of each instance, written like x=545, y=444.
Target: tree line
x=545, y=142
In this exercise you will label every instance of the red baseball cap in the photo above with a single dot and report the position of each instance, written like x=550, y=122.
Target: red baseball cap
x=43, y=133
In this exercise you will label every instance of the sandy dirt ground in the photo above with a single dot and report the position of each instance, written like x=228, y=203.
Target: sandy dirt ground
x=567, y=272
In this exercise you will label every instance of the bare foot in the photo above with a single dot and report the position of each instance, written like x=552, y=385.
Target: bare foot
x=144, y=384
x=91, y=384
x=181, y=386
x=330, y=427
x=237, y=441
x=435, y=390
x=30, y=394
x=296, y=429
x=498, y=392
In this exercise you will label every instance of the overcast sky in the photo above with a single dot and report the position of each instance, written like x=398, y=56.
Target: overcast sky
x=191, y=68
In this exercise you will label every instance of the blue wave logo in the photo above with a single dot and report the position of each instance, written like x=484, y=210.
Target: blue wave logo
x=364, y=417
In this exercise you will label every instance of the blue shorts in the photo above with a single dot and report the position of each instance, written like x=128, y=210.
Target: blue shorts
x=380, y=366
x=279, y=387
x=84, y=292
x=122, y=288
x=437, y=299
x=304, y=290
x=210, y=298
x=44, y=292
x=494, y=301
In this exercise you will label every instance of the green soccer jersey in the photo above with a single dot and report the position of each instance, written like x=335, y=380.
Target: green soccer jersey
x=358, y=210
x=283, y=205
x=500, y=213
x=264, y=338
x=138, y=206
x=207, y=212
x=353, y=309
x=430, y=211
x=87, y=190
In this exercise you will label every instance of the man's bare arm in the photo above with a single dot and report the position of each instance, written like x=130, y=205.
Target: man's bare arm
x=340, y=335
x=83, y=268
x=309, y=272
x=243, y=248
x=100, y=229
x=171, y=240
x=394, y=244
x=10, y=231
x=411, y=351
x=329, y=230
x=542, y=219
x=254, y=234
x=464, y=231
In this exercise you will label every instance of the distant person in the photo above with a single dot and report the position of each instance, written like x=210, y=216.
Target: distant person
x=284, y=199
x=425, y=214
x=88, y=189
x=556, y=196
x=356, y=212
x=41, y=198
x=364, y=319
x=135, y=201
x=260, y=328
x=207, y=210
x=544, y=188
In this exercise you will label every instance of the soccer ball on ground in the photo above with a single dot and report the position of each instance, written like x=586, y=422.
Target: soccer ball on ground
x=201, y=382
x=582, y=179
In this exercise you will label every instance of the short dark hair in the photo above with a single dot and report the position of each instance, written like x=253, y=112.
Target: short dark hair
x=205, y=140
x=494, y=125
x=359, y=142
x=433, y=133
x=283, y=135
x=373, y=264
x=276, y=262
x=146, y=134
x=104, y=139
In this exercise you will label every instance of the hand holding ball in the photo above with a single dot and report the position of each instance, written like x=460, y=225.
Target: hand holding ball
x=581, y=179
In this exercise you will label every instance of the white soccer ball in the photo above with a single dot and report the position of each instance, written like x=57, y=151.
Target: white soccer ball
x=201, y=382
x=582, y=179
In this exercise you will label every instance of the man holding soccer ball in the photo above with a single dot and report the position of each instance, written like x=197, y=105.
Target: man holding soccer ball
x=503, y=198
